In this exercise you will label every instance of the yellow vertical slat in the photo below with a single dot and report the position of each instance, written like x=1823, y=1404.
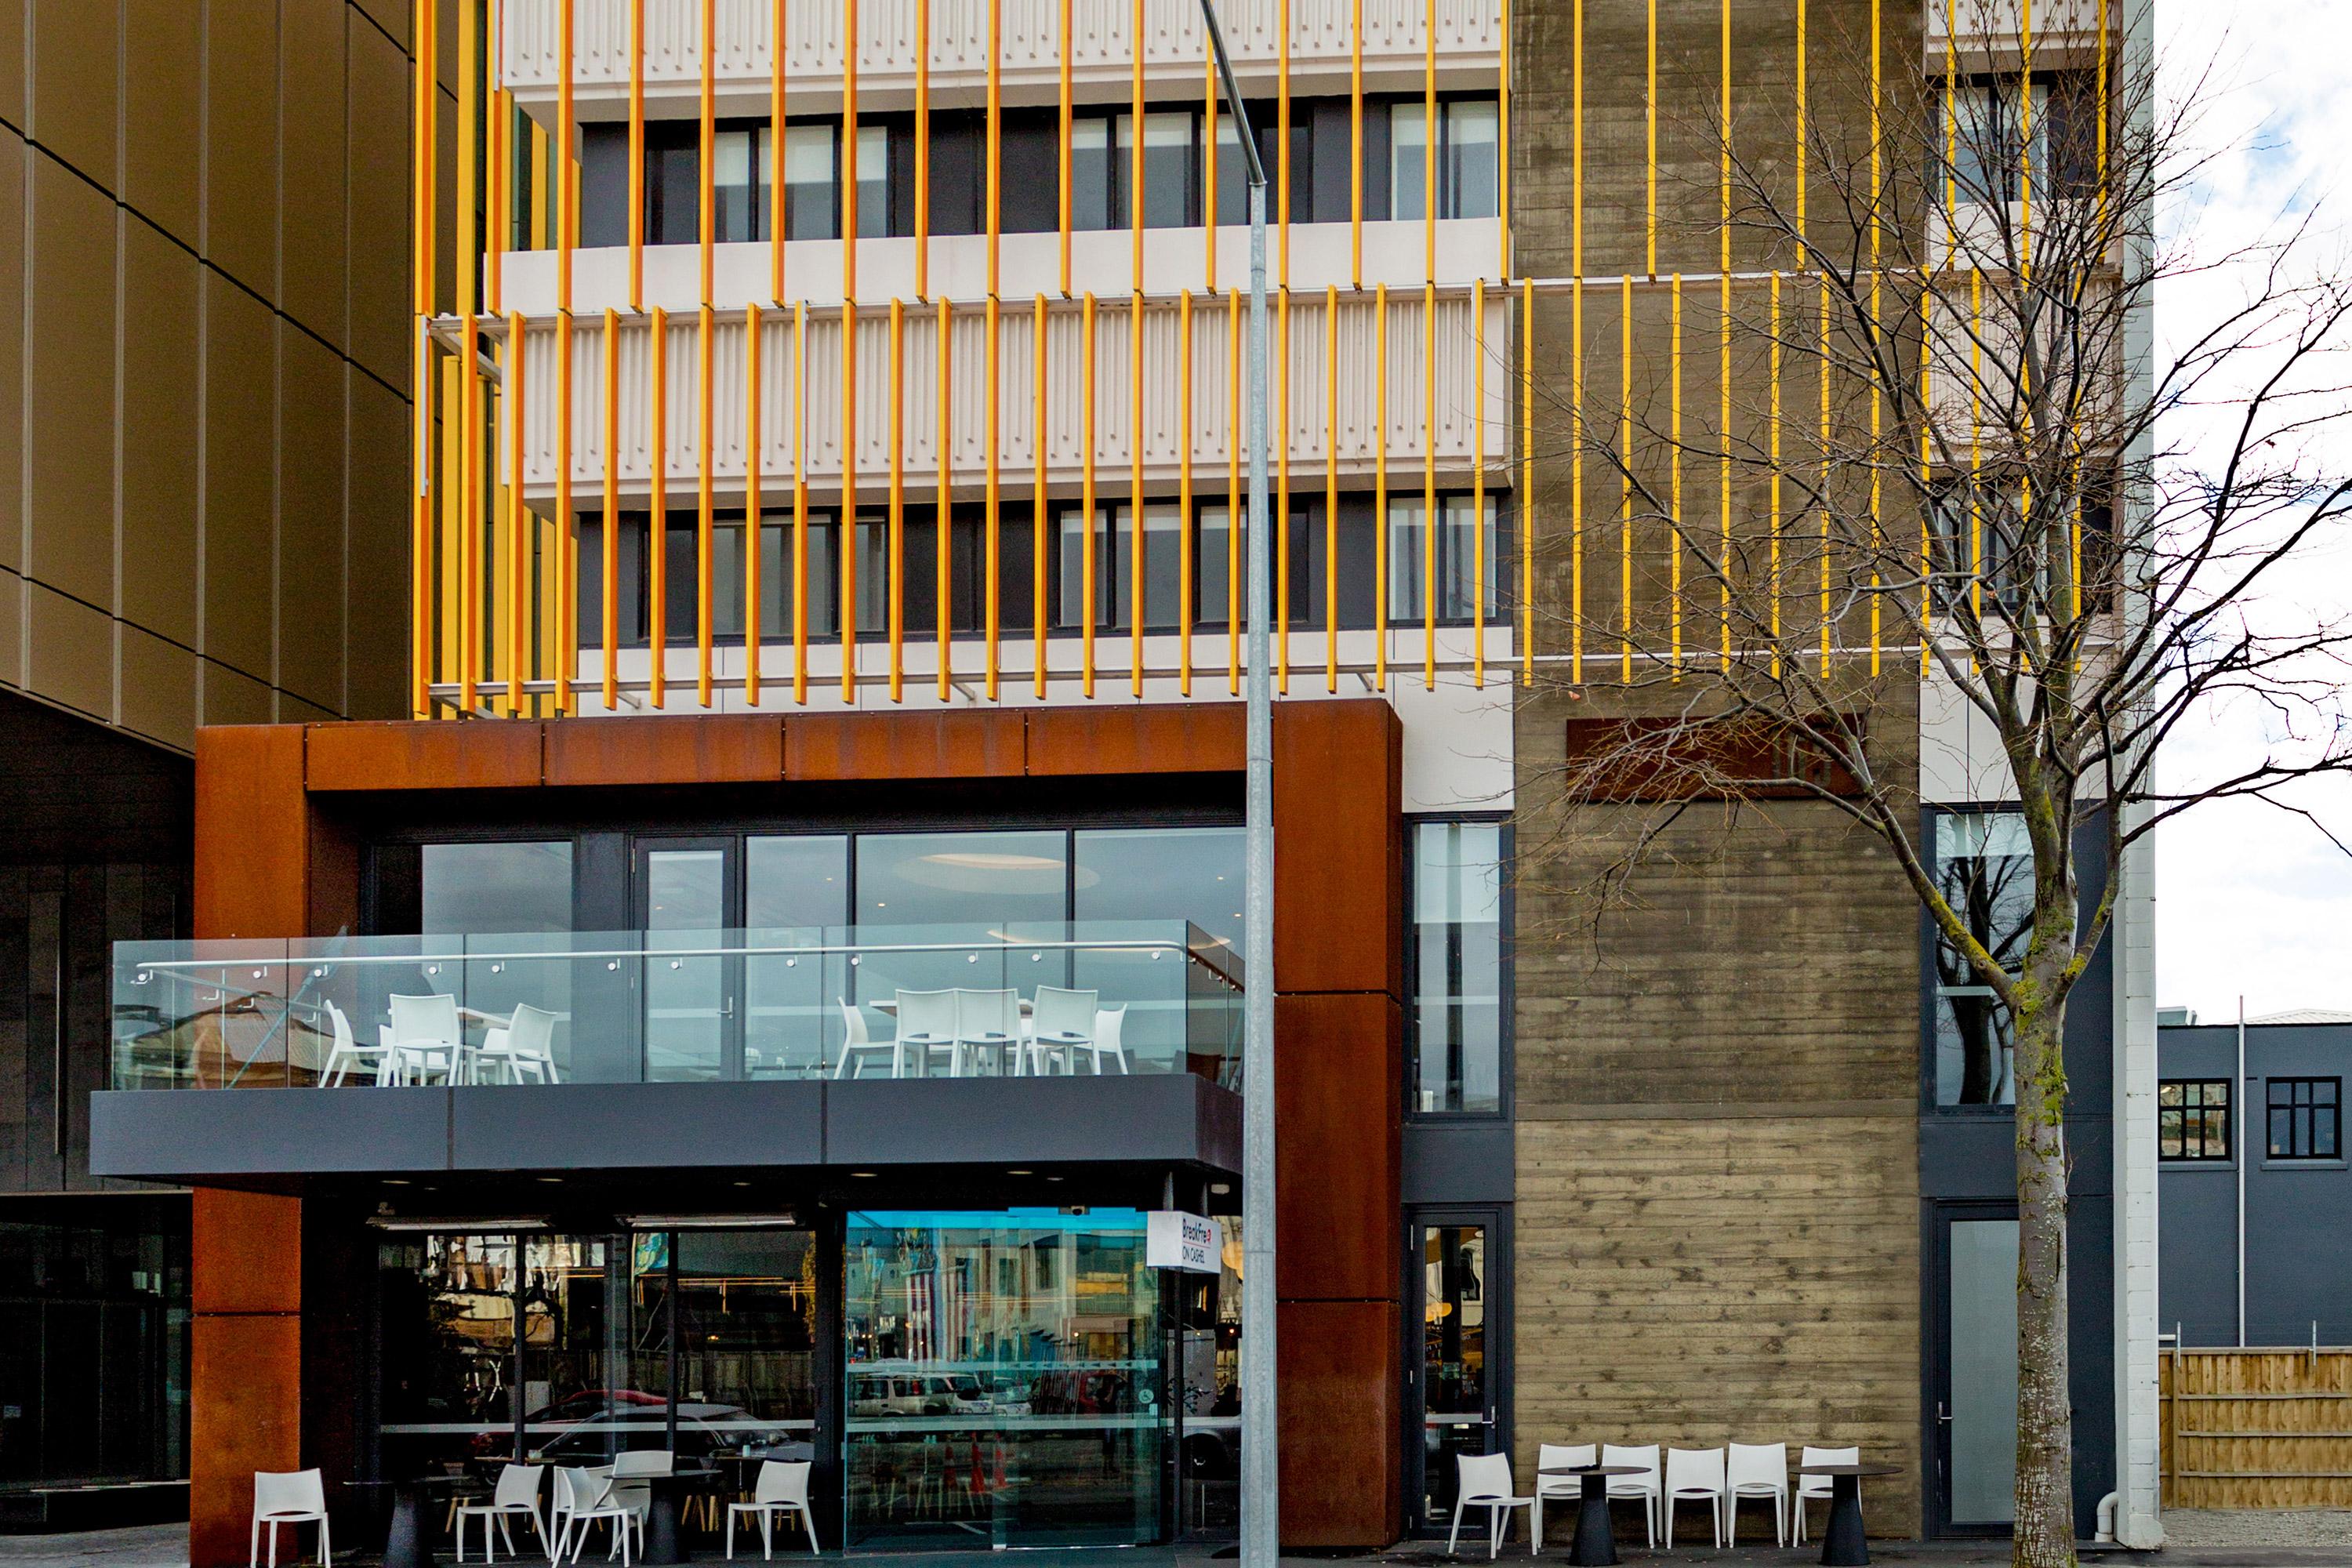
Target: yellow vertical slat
x=943, y=509
x=636, y=154
x=754, y=449
x=518, y=519
x=466, y=263
x=450, y=591
x=1502, y=143
x=1233, y=492
x=1927, y=467
x=991, y=521
x=1064, y=185
x=566, y=659
x=1478, y=482
x=1649, y=151
x=1280, y=522
x=657, y=505
x=779, y=49
x=1723, y=352
x=705, y=175
x=470, y=534
x=610, y=598
x=1821, y=349
x=1185, y=438
x=1976, y=440
x=499, y=191
x=1135, y=193
x=1380, y=486
x=1625, y=479
x=1330, y=488
x=1676, y=536
x=705, y=520
x=1282, y=150
x=1039, y=445
x=2025, y=141
x=1356, y=146
x=1877, y=282
x=1209, y=165
x=1527, y=496
x=1576, y=350
x=1429, y=143
x=1802, y=98
x=800, y=503
x=897, y=608
x=923, y=150
x=1772, y=436
x=995, y=216
x=848, y=186
x=1429, y=487
x=420, y=530
x=847, y=533
x=538, y=213
x=1086, y=494
x=1136, y=607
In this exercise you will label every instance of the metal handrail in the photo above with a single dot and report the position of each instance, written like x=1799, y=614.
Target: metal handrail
x=818, y=950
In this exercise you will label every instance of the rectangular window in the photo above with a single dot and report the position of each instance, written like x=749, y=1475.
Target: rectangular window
x=2307, y=1118
x=1463, y=560
x=1469, y=140
x=2192, y=1119
x=811, y=183
x=1986, y=144
x=1984, y=864
x=1455, y=951
x=1090, y=175
x=1169, y=176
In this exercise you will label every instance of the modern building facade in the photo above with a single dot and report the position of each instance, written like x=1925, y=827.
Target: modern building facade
x=205, y=399
x=2250, y=1125
x=825, y=597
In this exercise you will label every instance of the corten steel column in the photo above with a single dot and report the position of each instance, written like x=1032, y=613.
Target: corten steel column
x=1261, y=1460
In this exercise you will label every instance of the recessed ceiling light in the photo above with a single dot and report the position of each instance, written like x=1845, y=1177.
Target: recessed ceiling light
x=551, y=1179
x=1219, y=1188
x=865, y=1174
x=396, y=1182
x=1017, y=1172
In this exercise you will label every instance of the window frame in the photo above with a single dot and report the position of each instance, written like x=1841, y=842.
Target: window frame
x=2333, y=1108
x=1506, y=977
x=1931, y=992
x=2205, y=1155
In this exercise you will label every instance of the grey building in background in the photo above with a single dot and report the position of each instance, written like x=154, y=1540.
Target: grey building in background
x=2274, y=1130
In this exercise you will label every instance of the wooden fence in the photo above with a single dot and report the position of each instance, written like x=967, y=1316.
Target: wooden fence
x=2257, y=1428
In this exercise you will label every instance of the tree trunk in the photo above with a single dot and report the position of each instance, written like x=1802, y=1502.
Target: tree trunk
x=2046, y=1482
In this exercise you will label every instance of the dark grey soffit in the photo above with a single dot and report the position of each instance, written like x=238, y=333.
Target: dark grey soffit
x=188, y=1135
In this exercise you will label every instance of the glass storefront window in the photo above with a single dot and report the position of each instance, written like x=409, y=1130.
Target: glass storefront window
x=446, y=1305
x=1456, y=1419
x=1004, y=1378
x=1456, y=970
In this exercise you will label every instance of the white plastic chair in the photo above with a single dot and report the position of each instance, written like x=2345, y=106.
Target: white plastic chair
x=288, y=1496
x=426, y=1038
x=1062, y=1023
x=527, y=1045
x=1560, y=1457
x=349, y=1053
x=586, y=1499
x=1108, y=1022
x=926, y=1026
x=989, y=1022
x=1644, y=1487
x=517, y=1493
x=1691, y=1474
x=857, y=1044
x=1757, y=1470
x=1483, y=1481
x=1819, y=1487
x=633, y=1470
x=782, y=1488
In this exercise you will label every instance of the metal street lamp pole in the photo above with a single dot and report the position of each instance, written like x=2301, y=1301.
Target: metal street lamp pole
x=1261, y=1465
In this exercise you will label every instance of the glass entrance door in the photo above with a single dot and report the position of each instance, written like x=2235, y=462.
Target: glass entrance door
x=1975, y=1370
x=686, y=890
x=1452, y=1407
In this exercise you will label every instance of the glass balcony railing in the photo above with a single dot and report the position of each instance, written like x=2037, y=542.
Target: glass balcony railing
x=647, y=1006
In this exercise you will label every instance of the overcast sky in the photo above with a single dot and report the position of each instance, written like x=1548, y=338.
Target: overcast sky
x=2252, y=900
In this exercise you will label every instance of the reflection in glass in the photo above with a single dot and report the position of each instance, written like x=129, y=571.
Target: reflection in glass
x=496, y=888
x=746, y=1337
x=446, y=1307
x=1456, y=958
x=793, y=888
x=687, y=1000
x=1454, y=1391
x=1984, y=863
x=1004, y=1372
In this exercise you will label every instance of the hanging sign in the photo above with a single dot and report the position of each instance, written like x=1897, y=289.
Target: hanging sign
x=1186, y=1241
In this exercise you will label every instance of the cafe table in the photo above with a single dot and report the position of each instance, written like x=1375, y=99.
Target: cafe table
x=417, y=1514
x=663, y=1543
x=1842, y=1545
x=1595, y=1545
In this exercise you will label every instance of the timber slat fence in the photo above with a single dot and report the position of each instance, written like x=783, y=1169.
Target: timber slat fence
x=2257, y=1428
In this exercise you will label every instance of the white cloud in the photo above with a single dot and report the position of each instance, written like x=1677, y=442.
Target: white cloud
x=2252, y=900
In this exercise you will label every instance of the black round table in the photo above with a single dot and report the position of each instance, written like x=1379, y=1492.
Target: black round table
x=1595, y=1545
x=662, y=1542
x=1842, y=1545
x=415, y=1525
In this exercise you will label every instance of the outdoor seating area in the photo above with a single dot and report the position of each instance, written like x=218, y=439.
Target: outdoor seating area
x=639, y=1496
x=1593, y=1475
x=973, y=1033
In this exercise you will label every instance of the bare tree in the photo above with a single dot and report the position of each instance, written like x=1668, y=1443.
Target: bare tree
x=1936, y=455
